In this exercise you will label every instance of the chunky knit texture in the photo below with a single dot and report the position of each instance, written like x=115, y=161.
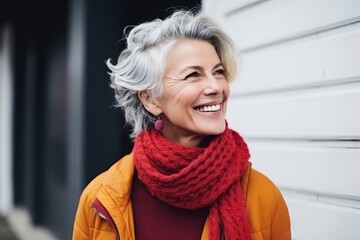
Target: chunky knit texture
x=195, y=177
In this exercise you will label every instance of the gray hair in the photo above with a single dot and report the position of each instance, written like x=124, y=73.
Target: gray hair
x=142, y=64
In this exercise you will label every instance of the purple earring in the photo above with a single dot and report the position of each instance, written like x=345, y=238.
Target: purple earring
x=159, y=124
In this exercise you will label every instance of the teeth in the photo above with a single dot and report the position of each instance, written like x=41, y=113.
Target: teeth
x=211, y=108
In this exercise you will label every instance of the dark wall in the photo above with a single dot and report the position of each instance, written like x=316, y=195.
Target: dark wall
x=40, y=96
x=48, y=178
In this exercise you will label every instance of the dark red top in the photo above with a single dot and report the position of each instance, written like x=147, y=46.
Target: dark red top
x=155, y=219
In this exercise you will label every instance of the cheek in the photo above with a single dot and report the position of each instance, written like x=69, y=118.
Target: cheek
x=187, y=96
x=177, y=104
x=226, y=89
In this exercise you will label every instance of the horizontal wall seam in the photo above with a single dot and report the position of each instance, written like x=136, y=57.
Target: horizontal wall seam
x=338, y=142
x=298, y=88
x=322, y=197
x=304, y=34
x=243, y=8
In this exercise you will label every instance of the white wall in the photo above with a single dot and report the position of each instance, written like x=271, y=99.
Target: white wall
x=5, y=122
x=297, y=102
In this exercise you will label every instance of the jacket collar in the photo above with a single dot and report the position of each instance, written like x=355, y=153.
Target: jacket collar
x=245, y=181
x=116, y=185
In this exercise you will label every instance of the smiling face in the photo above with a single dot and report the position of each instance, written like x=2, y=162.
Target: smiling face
x=195, y=93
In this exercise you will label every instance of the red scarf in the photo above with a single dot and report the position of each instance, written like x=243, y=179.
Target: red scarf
x=195, y=177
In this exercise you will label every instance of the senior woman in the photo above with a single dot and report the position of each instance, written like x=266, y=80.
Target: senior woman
x=189, y=175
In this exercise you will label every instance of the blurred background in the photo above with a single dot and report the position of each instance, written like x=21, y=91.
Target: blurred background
x=296, y=101
x=59, y=128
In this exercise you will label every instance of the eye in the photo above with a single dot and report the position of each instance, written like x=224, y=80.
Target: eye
x=219, y=72
x=192, y=75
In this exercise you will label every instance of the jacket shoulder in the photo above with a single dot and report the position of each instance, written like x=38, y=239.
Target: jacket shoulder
x=108, y=178
x=86, y=217
x=262, y=186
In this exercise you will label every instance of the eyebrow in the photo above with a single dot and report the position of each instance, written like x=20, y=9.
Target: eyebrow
x=199, y=67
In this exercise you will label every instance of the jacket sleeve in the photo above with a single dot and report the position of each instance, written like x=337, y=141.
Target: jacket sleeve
x=81, y=228
x=85, y=216
x=280, y=227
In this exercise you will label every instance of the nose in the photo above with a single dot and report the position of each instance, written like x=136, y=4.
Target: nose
x=213, y=86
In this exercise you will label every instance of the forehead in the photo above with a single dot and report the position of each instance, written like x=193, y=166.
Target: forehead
x=191, y=52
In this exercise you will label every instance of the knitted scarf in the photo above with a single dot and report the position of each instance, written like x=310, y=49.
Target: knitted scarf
x=195, y=177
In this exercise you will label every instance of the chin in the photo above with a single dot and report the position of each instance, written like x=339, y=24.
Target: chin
x=216, y=130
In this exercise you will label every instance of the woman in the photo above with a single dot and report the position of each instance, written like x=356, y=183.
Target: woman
x=189, y=175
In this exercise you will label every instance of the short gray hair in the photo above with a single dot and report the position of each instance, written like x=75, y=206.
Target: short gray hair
x=141, y=64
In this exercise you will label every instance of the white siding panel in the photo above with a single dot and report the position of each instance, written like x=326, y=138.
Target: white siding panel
x=297, y=103
x=272, y=21
x=313, y=220
x=310, y=169
x=318, y=113
x=233, y=5
x=312, y=61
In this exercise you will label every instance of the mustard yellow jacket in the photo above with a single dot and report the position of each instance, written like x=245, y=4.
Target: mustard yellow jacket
x=105, y=210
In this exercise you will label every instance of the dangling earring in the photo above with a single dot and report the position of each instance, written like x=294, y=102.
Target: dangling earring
x=159, y=124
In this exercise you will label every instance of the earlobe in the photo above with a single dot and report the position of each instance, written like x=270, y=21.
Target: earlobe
x=149, y=102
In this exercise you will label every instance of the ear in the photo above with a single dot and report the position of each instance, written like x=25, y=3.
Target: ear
x=149, y=102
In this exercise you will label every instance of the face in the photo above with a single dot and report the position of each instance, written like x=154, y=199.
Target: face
x=195, y=93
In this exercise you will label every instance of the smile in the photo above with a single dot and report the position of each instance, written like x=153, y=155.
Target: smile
x=212, y=108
